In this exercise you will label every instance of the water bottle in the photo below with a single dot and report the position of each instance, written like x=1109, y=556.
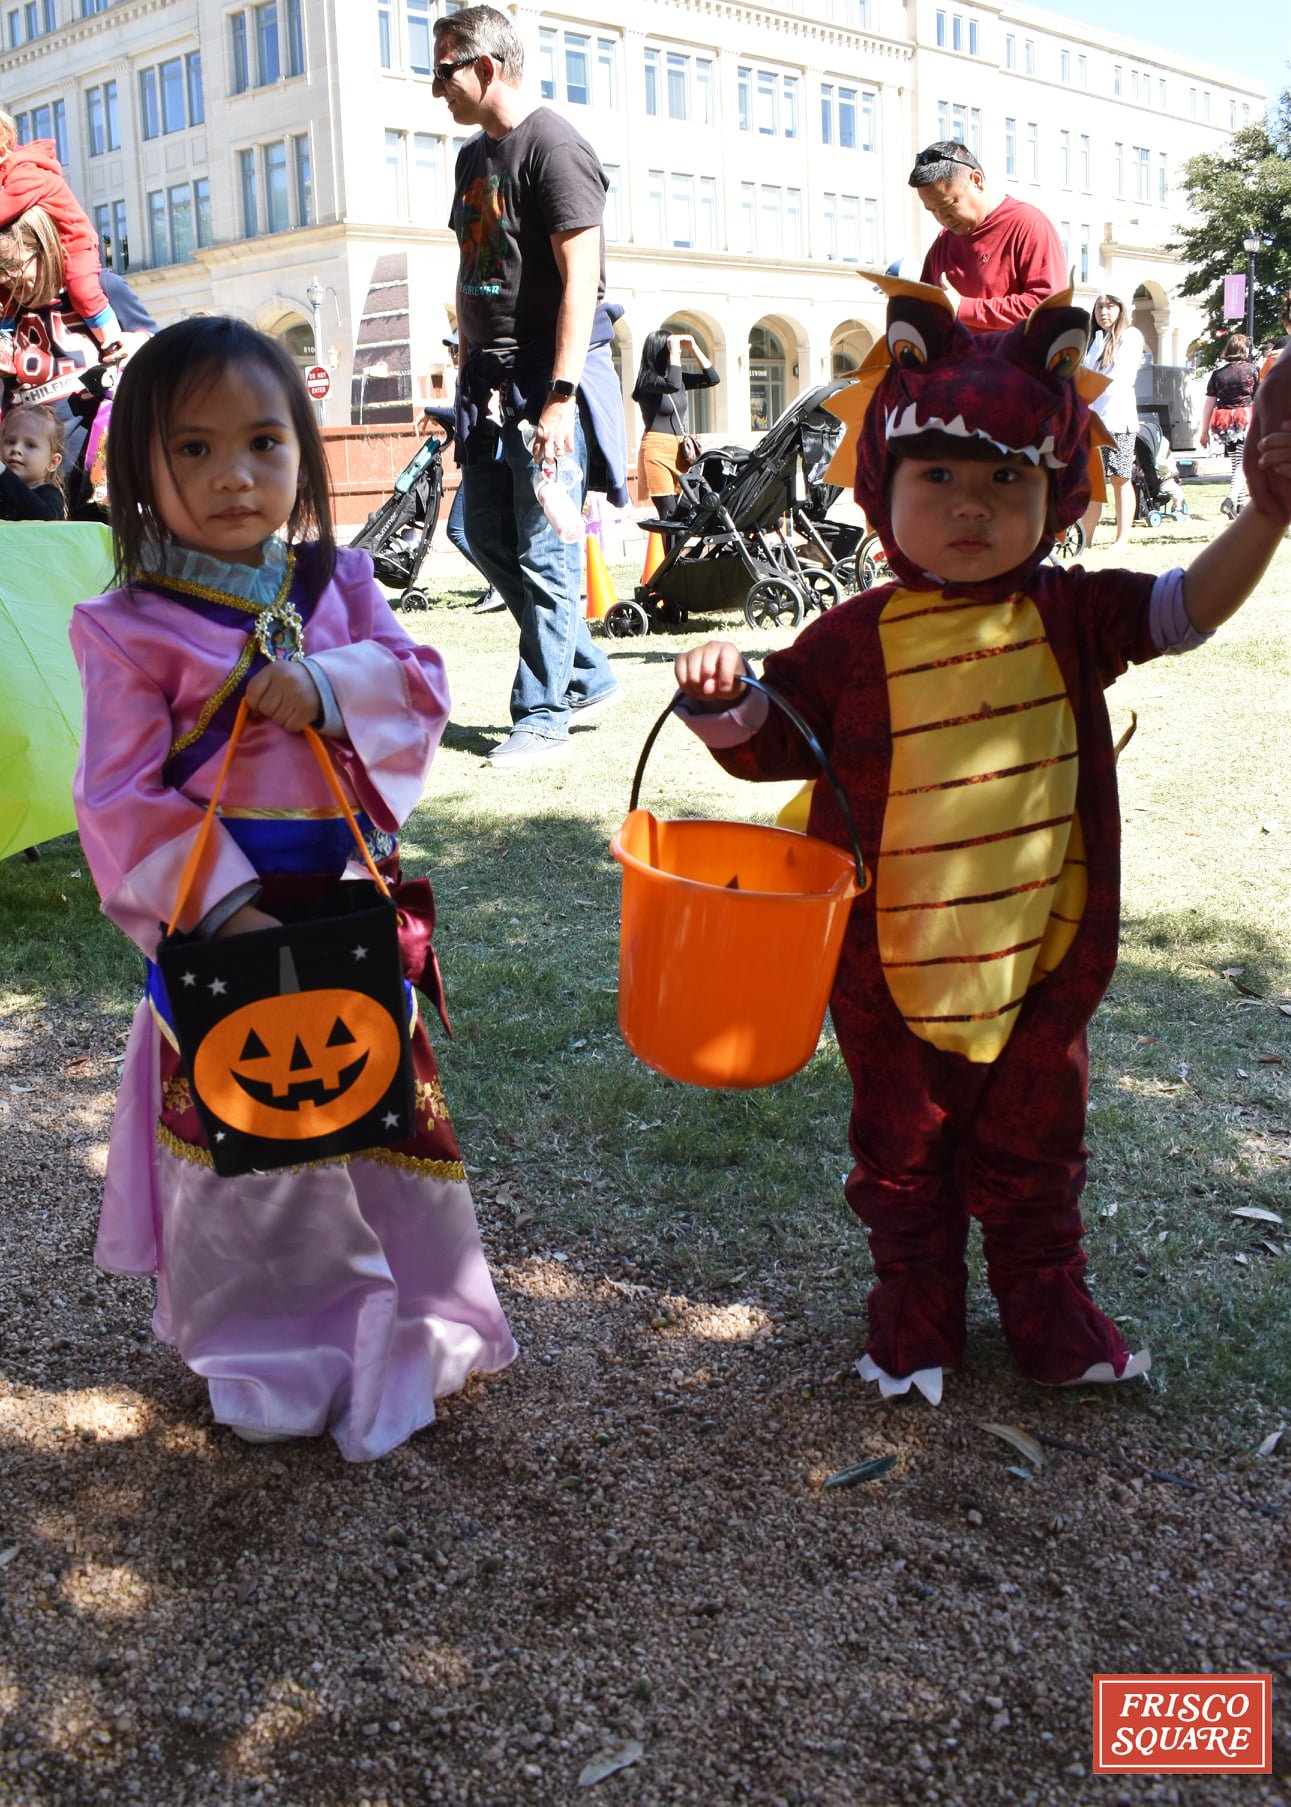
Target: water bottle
x=564, y=516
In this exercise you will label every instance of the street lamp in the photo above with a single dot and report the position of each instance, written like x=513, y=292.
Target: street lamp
x=314, y=295
x=1250, y=244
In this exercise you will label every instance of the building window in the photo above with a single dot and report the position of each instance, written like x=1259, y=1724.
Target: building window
x=1064, y=159
x=396, y=197
x=238, y=52
x=681, y=88
x=972, y=37
x=158, y=238
x=1116, y=78
x=193, y=74
x=1033, y=150
x=1118, y=168
x=1010, y=51
x=1192, y=102
x=956, y=41
x=941, y=31
x=846, y=117
x=1142, y=173
x=1084, y=163
x=385, y=39
x=1082, y=71
x=613, y=216
x=607, y=62
x=1028, y=55
x=768, y=102
x=961, y=123
x=1205, y=103
x=102, y=123
x=305, y=178
x=268, y=62
x=202, y=211
x=1010, y=147
x=1134, y=85
x=1064, y=65
x=277, y=208
x=250, y=204
x=1064, y=239
x=1163, y=179
x=748, y=218
x=179, y=211
x=171, y=78
x=1161, y=93
x=149, y=113
x=1084, y=253
x=421, y=42
x=652, y=62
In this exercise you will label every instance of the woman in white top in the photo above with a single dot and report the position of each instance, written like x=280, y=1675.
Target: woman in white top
x=1116, y=351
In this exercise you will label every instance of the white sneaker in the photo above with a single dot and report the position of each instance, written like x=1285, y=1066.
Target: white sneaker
x=525, y=747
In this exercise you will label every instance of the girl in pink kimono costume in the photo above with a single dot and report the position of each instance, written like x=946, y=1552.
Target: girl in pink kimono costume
x=342, y=1296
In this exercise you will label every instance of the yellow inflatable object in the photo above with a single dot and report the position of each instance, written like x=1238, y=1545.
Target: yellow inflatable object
x=45, y=569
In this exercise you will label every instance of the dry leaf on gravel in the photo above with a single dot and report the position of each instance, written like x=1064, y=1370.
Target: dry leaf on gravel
x=609, y=1762
x=1258, y=1212
x=1025, y=1446
x=872, y=1470
x=1266, y=1448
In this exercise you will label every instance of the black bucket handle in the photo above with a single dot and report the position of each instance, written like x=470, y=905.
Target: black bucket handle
x=822, y=759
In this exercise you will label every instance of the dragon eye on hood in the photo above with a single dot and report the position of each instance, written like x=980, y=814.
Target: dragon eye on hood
x=1065, y=353
x=907, y=344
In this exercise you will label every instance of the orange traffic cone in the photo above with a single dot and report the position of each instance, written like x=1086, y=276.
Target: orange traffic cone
x=600, y=591
x=654, y=557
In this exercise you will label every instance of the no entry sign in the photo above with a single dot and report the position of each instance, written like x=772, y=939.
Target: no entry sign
x=318, y=381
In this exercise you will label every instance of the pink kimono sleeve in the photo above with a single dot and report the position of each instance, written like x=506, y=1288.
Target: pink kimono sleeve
x=392, y=695
x=137, y=831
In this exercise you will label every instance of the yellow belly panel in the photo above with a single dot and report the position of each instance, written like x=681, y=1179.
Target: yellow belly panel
x=981, y=801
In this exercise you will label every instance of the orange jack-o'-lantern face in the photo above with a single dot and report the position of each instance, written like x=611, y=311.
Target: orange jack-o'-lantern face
x=299, y=1065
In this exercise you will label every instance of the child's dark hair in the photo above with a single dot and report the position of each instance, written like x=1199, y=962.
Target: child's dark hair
x=192, y=356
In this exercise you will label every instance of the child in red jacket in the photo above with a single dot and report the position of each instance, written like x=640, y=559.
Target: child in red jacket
x=32, y=176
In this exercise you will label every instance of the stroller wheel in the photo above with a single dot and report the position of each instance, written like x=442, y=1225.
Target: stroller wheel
x=774, y=602
x=1069, y=544
x=822, y=587
x=845, y=575
x=872, y=565
x=414, y=599
x=625, y=621
x=1154, y=517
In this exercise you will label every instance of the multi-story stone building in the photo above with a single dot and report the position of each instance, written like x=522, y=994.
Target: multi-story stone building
x=288, y=161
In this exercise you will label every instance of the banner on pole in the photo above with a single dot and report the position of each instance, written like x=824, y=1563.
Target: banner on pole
x=1235, y=297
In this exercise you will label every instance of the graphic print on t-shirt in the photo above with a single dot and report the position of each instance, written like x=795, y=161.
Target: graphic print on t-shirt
x=483, y=236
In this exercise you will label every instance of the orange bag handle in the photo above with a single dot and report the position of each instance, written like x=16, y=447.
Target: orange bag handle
x=192, y=864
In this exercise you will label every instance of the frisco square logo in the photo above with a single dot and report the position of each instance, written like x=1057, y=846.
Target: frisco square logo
x=1180, y=1725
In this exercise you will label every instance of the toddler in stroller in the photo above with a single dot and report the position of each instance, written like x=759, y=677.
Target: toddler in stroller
x=1158, y=493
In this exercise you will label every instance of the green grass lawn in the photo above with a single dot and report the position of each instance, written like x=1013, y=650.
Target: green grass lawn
x=1190, y=1115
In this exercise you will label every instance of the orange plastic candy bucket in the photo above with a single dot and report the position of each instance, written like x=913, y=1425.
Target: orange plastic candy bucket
x=729, y=939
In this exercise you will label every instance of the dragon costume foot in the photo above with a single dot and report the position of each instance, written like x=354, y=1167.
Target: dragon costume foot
x=916, y=1326
x=1056, y=1333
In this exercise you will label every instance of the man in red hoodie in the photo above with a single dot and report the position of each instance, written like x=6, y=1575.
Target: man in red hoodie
x=997, y=258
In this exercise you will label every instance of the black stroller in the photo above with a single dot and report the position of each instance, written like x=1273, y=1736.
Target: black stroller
x=397, y=535
x=752, y=531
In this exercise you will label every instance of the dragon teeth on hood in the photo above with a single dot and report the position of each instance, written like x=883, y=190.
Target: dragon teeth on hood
x=905, y=423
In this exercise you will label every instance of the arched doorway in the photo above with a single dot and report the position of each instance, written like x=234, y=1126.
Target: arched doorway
x=766, y=378
x=299, y=340
x=1147, y=308
x=849, y=345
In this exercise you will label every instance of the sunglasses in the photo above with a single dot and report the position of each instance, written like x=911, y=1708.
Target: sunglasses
x=444, y=72
x=926, y=157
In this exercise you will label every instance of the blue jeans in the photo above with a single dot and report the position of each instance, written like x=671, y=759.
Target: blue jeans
x=455, y=525
x=539, y=577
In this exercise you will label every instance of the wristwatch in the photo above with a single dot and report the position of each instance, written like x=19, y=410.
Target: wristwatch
x=560, y=389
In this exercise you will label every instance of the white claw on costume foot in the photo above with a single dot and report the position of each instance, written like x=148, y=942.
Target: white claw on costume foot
x=1104, y=1374
x=926, y=1380
x=249, y=1436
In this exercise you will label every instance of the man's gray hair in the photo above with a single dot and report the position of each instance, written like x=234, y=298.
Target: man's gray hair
x=944, y=161
x=484, y=31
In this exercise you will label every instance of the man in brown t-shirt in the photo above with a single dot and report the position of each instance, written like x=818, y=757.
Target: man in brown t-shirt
x=996, y=258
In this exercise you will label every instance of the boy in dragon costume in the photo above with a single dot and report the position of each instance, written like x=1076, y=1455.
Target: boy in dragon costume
x=963, y=709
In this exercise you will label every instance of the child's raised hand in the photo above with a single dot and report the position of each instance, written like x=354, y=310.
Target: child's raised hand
x=712, y=674
x=285, y=693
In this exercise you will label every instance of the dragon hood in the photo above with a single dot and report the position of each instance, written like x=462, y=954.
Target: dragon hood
x=1023, y=390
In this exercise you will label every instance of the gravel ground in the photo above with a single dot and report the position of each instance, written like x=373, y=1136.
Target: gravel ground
x=621, y=1548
